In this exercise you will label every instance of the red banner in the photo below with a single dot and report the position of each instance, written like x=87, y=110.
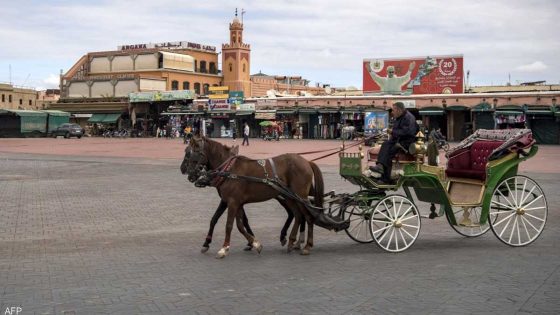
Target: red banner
x=419, y=75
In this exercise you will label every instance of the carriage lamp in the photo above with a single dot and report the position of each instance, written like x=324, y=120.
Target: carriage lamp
x=418, y=148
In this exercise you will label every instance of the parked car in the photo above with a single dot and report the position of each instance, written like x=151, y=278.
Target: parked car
x=68, y=130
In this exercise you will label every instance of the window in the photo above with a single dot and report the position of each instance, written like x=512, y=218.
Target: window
x=243, y=67
x=212, y=68
x=174, y=85
x=3, y=98
x=197, y=88
x=20, y=101
x=203, y=66
x=10, y=98
x=186, y=85
x=195, y=65
x=30, y=103
x=206, y=88
x=230, y=67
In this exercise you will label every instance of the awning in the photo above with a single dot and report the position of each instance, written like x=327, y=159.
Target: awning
x=97, y=118
x=482, y=107
x=328, y=110
x=286, y=111
x=244, y=112
x=431, y=112
x=177, y=61
x=23, y=113
x=56, y=113
x=307, y=111
x=181, y=113
x=111, y=118
x=457, y=108
x=539, y=112
x=509, y=112
x=221, y=112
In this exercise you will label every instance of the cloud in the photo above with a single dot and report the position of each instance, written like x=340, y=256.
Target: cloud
x=537, y=66
x=324, y=40
x=52, y=81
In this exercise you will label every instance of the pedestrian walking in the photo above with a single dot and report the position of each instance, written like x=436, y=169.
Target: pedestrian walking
x=246, y=134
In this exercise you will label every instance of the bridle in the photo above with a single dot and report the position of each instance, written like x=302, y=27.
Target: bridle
x=197, y=160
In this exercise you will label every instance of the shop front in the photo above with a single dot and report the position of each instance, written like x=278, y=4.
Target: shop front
x=483, y=117
x=328, y=124
x=458, y=122
x=288, y=117
x=509, y=117
x=544, y=124
x=433, y=118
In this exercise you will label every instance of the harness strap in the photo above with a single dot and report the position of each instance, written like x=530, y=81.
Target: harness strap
x=223, y=168
x=274, y=172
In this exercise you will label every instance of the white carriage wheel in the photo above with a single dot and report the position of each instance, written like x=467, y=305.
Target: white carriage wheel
x=395, y=223
x=518, y=211
x=468, y=221
x=359, y=215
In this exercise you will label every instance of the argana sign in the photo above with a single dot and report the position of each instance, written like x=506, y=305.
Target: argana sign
x=168, y=45
x=415, y=75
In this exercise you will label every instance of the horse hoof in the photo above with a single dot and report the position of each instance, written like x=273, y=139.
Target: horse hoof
x=283, y=241
x=258, y=246
x=248, y=248
x=223, y=252
x=305, y=252
x=296, y=247
x=204, y=249
x=290, y=248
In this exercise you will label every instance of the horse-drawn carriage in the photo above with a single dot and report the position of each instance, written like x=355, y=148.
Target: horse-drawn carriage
x=479, y=190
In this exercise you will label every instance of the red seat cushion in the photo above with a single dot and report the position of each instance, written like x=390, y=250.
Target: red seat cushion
x=471, y=162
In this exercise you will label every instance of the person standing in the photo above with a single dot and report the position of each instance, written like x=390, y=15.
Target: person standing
x=246, y=134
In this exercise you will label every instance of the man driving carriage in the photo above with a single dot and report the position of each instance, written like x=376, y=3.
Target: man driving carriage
x=402, y=135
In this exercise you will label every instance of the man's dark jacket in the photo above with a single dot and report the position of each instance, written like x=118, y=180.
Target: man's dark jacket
x=405, y=129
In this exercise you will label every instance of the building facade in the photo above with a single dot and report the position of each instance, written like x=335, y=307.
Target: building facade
x=14, y=97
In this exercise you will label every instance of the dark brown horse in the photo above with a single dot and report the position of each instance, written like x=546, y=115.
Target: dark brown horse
x=233, y=151
x=240, y=180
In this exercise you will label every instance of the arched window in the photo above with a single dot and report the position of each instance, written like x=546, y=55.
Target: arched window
x=203, y=66
x=186, y=85
x=195, y=65
x=174, y=85
x=206, y=88
x=212, y=66
x=230, y=67
x=3, y=98
x=30, y=103
x=197, y=88
x=20, y=101
x=244, y=67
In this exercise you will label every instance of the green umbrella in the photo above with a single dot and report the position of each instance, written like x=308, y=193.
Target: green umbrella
x=267, y=123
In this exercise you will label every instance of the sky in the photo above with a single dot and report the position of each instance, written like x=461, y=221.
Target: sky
x=324, y=41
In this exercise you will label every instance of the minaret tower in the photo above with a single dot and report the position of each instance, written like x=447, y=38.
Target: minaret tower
x=236, y=59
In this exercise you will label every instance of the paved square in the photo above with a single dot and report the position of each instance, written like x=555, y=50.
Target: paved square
x=122, y=235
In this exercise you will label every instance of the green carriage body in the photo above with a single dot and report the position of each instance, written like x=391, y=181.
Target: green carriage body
x=431, y=184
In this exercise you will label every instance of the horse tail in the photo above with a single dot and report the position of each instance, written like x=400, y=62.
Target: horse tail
x=319, y=189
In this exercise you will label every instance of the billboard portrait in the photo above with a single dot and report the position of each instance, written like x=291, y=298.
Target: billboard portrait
x=375, y=121
x=416, y=75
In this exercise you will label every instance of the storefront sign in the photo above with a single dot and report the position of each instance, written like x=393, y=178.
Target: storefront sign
x=219, y=88
x=246, y=107
x=160, y=96
x=168, y=45
x=419, y=75
x=218, y=105
x=408, y=103
x=266, y=102
x=265, y=114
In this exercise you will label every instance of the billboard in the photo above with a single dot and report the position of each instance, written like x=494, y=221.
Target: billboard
x=416, y=75
x=375, y=121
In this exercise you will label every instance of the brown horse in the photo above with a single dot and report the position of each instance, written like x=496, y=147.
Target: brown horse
x=233, y=151
x=240, y=180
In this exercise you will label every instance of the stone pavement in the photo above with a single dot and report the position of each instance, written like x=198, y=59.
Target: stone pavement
x=115, y=232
